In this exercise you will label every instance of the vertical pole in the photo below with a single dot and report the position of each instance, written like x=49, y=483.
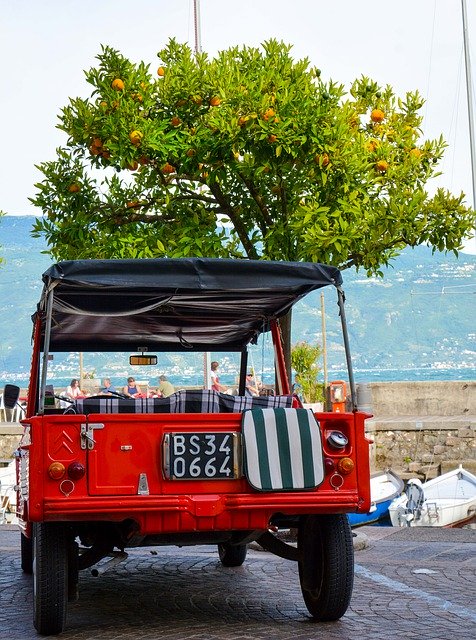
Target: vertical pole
x=197, y=28
x=324, y=340
x=46, y=348
x=282, y=381
x=81, y=370
x=207, y=382
x=350, y=371
x=243, y=369
x=469, y=94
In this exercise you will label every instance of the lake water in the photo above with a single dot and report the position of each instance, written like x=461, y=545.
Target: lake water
x=422, y=374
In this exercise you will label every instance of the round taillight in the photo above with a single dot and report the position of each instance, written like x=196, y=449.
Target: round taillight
x=56, y=470
x=76, y=471
x=329, y=464
x=337, y=440
x=345, y=465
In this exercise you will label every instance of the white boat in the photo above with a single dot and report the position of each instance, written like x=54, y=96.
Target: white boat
x=384, y=487
x=445, y=501
x=8, y=498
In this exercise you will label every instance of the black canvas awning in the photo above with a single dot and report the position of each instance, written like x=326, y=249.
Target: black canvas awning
x=172, y=304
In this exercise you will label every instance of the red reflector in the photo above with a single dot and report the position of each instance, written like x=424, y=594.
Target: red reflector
x=76, y=470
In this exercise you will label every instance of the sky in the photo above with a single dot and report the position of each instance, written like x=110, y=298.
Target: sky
x=46, y=45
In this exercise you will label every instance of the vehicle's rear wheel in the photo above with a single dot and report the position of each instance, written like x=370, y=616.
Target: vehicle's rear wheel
x=232, y=555
x=50, y=577
x=26, y=554
x=326, y=565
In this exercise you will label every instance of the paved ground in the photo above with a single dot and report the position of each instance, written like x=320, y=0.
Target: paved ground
x=411, y=584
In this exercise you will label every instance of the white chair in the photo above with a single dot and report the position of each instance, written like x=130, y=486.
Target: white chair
x=11, y=415
x=3, y=413
x=18, y=413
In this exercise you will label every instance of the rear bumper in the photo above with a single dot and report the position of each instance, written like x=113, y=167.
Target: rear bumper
x=201, y=512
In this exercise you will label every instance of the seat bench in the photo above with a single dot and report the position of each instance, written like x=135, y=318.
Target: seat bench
x=187, y=401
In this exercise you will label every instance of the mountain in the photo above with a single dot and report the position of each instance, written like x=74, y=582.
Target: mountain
x=415, y=323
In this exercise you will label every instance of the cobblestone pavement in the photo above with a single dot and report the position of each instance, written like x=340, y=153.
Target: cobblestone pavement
x=410, y=584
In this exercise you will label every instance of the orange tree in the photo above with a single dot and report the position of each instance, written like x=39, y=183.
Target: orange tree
x=155, y=164
x=250, y=154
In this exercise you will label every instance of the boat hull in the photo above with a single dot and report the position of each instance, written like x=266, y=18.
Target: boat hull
x=447, y=501
x=385, y=486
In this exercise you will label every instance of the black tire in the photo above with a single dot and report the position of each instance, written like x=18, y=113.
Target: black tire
x=26, y=554
x=50, y=577
x=326, y=565
x=232, y=555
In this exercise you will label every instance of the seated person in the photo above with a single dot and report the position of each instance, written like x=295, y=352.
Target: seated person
x=165, y=387
x=107, y=388
x=132, y=389
x=251, y=388
x=73, y=391
x=215, y=380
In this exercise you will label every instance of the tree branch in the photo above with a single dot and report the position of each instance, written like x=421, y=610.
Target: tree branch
x=259, y=202
x=236, y=220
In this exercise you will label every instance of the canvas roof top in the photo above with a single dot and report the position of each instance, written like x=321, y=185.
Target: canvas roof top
x=173, y=304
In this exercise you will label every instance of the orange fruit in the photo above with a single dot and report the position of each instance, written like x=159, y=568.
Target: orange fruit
x=377, y=115
x=143, y=160
x=416, y=153
x=118, y=84
x=242, y=121
x=215, y=101
x=135, y=137
x=269, y=113
x=132, y=166
x=372, y=146
x=161, y=72
x=74, y=188
x=168, y=168
x=132, y=204
x=175, y=122
x=137, y=97
x=103, y=104
x=272, y=138
x=324, y=159
x=382, y=166
x=190, y=153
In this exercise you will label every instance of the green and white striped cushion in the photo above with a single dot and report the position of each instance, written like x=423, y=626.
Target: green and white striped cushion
x=282, y=449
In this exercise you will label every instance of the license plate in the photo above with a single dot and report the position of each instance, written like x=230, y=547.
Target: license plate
x=201, y=456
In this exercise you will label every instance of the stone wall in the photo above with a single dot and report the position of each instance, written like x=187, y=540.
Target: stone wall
x=418, y=398
x=421, y=428
x=9, y=438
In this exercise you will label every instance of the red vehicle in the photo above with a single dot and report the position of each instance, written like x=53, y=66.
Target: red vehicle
x=108, y=473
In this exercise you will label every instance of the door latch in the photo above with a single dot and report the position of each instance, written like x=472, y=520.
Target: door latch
x=87, y=431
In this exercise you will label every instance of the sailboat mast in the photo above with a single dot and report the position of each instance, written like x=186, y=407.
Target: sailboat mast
x=469, y=94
